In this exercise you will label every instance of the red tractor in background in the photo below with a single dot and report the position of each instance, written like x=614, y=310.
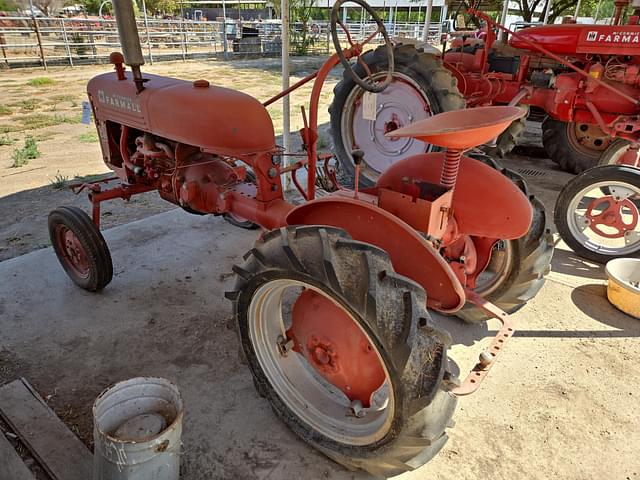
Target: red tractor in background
x=586, y=78
x=331, y=303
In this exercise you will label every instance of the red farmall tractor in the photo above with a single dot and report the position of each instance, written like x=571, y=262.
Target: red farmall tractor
x=586, y=78
x=331, y=303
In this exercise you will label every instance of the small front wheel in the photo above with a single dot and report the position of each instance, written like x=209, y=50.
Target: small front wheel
x=597, y=214
x=80, y=248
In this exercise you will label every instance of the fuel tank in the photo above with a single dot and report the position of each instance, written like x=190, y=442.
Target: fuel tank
x=572, y=39
x=216, y=119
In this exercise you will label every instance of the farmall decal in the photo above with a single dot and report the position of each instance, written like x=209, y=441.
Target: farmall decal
x=613, y=37
x=118, y=101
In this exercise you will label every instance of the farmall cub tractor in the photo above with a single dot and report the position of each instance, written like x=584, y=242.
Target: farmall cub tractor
x=331, y=303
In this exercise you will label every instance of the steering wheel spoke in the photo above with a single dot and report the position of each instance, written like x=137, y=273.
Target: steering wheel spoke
x=355, y=49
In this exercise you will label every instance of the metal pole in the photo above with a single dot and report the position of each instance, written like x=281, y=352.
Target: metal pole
x=548, y=11
x=37, y=30
x=183, y=45
x=286, y=125
x=595, y=20
x=427, y=21
x=146, y=26
x=575, y=15
x=224, y=30
x=503, y=19
x=66, y=41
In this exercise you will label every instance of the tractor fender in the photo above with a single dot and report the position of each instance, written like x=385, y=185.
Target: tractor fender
x=410, y=254
x=485, y=202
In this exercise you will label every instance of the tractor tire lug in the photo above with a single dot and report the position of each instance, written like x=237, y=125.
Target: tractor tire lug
x=356, y=409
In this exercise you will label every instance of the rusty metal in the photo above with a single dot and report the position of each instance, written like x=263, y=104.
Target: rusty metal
x=488, y=357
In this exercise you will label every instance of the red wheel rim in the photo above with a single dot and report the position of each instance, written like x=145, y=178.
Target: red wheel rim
x=611, y=216
x=72, y=253
x=335, y=347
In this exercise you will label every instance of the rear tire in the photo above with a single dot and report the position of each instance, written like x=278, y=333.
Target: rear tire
x=389, y=308
x=528, y=261
x=573, y=153
x=80, y=248
x=414, y=71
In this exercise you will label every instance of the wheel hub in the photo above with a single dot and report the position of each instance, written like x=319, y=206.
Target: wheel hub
x=74, y=253
x=589, y=137
x=611, y=216
x=400, y=104
x=335, y=346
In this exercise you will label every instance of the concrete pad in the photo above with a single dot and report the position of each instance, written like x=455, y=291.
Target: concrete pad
x=561, y=403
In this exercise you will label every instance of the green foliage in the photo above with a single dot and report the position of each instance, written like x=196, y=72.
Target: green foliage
x=7, y=5
x=162, y=6
x=21, y=156
x=59, y=181
x=41, y=81
x=5, y=140
x=4, y=110
x=88, y=137
x=300, y=12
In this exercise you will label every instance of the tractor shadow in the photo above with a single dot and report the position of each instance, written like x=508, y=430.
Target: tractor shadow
x=567, y=262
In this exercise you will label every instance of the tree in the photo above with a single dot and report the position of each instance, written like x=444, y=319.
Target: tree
x=47, y=7
x=7, y=5
x=160, y=7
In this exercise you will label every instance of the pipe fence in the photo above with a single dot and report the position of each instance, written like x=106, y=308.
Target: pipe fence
x=29, y=42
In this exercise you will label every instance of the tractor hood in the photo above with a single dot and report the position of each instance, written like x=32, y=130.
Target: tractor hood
x=213, y=118
x=580, y=39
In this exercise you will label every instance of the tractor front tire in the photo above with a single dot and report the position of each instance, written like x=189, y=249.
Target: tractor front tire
x=421, y=87
x=357, y=280
x=521, y=265
x=80, y=248
x=574, y=147
x=507, y=140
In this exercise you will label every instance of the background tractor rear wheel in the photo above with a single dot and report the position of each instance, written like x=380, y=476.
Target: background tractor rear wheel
x=508, y=139
x=343, y=348
x=574, y=146
x=80, y=248
x=517, y=269
x=421, y=87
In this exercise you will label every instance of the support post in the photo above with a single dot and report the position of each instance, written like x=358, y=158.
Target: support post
x=286, y=110
x=37, y=30
x=146, y=27
x=503, y=19
x=427, y=21
x=224, y=30
x=66, y=41
x=548, y=11
x=575, y=15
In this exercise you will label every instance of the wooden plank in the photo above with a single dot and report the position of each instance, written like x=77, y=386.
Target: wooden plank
x=11, y=465
x=57, y=449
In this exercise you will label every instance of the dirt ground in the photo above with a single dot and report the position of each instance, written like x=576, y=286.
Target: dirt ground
x=69, y=150
x=562, y=403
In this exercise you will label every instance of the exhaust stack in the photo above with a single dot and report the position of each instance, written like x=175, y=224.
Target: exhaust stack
x=129, y=39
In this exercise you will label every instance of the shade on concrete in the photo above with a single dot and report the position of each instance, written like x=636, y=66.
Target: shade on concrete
x=561, y=403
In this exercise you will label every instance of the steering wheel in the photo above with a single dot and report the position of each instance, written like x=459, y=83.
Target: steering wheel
x=367, y=83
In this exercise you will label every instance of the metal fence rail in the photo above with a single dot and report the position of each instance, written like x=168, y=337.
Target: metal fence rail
x=66, y=41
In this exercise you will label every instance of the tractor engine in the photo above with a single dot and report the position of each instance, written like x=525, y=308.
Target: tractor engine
x=182, y=174
x=607, y=52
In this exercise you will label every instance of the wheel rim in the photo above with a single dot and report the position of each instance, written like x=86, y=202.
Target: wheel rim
x=587, y=138
x=72, y=252
x=303, y=387
x=497, y=270
x=616, y=155
x=606, y=224
x=401, y=103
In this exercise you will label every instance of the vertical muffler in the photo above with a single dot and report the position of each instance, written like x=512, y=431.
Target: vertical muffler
x=129, y=39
